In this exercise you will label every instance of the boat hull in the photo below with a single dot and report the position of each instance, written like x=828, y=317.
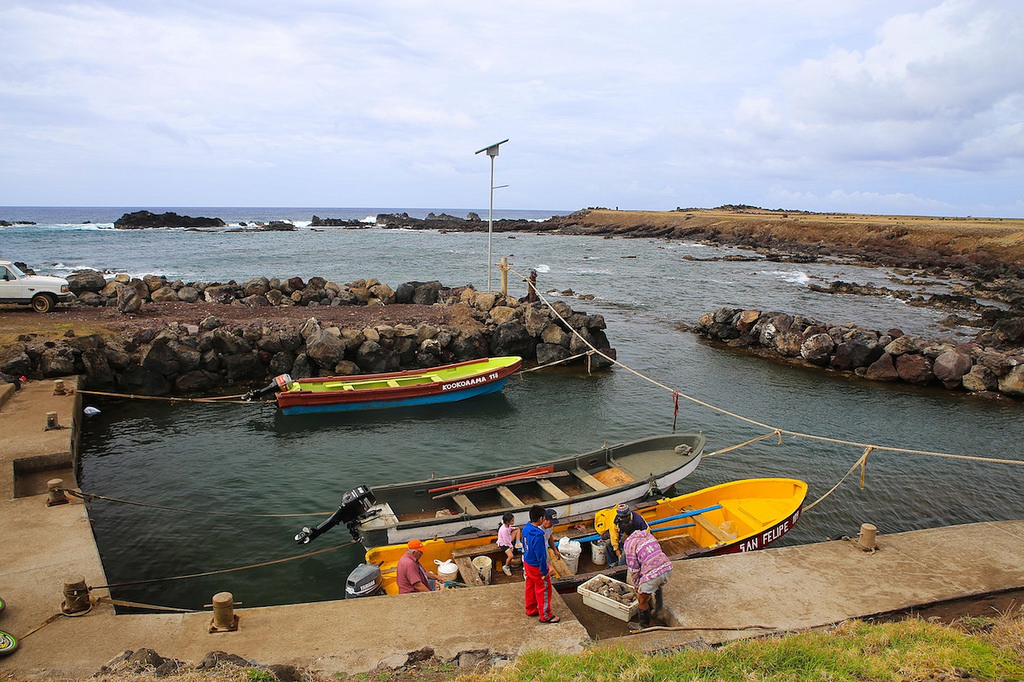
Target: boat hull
x=758, y=512
x=408, y=511
x=437, y=385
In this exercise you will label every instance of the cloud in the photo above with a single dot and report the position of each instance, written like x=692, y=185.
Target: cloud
x=936, y=87
x=642, y=105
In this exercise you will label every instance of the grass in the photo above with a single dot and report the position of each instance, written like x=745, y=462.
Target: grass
x=914, y=649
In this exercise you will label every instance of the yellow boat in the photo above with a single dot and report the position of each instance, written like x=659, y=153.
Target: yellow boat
x=739, y=516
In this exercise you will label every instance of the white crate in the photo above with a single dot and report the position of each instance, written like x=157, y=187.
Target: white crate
x=604, y=604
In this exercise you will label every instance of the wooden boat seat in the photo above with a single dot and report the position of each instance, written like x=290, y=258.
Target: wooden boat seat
x=509, y=497
x=551, y=489
x=465, y=504
x=588, y=479
x=710, y=527
x=393, y=383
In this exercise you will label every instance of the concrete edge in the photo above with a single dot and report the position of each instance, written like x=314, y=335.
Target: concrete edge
x=6, y=391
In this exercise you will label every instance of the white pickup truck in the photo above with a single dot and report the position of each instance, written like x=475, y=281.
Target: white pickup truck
x=41, y=291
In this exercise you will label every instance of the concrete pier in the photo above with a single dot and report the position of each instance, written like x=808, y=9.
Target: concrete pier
x=717, y=599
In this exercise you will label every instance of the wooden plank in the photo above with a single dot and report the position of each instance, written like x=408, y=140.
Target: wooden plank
x=468, y=572
x=561, y=570
x=552, y=489
x=476, y=550
x=497, y=480
x=465, y=504
x=509, y=496
x=712, y=528
x=613, y=476
x=588, y=479
x=495, y=484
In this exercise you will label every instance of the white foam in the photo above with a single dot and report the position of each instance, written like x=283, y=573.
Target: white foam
x=790, y=276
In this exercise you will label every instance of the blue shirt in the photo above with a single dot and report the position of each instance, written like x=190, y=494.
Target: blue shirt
x=535, y=547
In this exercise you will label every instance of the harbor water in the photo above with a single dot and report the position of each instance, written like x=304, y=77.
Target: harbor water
x=244, y=471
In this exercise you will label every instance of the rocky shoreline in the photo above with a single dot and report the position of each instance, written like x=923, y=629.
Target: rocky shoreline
x=873, y=355
x=167, y=355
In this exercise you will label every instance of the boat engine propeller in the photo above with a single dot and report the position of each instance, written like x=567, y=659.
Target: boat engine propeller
x=354, y=504
x=280, y=383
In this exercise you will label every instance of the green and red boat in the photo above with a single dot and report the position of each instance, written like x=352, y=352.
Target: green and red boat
x=443, y=384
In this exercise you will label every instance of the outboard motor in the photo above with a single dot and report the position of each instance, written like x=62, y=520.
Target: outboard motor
x=354, y=504
x=364, y=581
x=280, y=383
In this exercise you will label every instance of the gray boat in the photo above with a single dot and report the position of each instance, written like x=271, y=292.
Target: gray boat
x=577, y=484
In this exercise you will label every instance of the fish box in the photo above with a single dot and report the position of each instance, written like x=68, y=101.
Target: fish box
x=596, y=600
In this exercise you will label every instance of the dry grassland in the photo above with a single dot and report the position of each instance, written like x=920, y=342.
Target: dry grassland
x=1003, y=238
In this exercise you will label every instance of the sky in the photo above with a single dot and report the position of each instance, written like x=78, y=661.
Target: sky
x=868, y=106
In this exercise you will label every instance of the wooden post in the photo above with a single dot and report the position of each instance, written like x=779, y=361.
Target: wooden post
x=503, y=267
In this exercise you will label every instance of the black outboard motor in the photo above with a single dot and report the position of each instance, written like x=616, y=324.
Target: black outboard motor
x=280, y=383
x=364, y=581
x=354, y=504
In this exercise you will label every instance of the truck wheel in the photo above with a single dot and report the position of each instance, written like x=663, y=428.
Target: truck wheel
x=43, y=303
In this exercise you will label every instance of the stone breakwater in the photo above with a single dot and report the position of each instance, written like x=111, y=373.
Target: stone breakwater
x=170, y=357
x=874, y=355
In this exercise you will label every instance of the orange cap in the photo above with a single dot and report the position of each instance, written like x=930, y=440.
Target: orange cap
x=415, y=544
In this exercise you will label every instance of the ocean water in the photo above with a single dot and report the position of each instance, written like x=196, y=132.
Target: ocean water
x=244, y=468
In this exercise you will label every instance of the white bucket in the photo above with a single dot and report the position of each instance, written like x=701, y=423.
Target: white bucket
x=570, y=551
x=597, y=554
x=483, y=567
x=446, y=570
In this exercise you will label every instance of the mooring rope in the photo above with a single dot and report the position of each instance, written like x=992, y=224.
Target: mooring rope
x=555, y=362
x=775, y=430
x=223, y=570
x=89, y=497
x=137, y=605
x=223, y=399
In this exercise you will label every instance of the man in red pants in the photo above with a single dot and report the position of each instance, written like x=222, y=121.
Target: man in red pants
x=535, y=567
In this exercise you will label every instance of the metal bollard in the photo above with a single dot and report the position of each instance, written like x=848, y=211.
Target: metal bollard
x=51, y=421
x=224, y=617
x=866, y=539
x=55, y=490
x=76, y=595
x=58, y=387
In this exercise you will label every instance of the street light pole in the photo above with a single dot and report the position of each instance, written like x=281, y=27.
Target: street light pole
x=492, y=151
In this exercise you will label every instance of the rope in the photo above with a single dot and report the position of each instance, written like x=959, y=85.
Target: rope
x=774, y=430
x=137, y=605
x=224, y=399
x=90, y=497
x=42, y=625
x=223, y=570
x=553, y=363
x=743, y=444
x=861, y=461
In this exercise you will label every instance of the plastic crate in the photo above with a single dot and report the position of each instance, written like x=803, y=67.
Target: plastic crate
x=603, y=604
